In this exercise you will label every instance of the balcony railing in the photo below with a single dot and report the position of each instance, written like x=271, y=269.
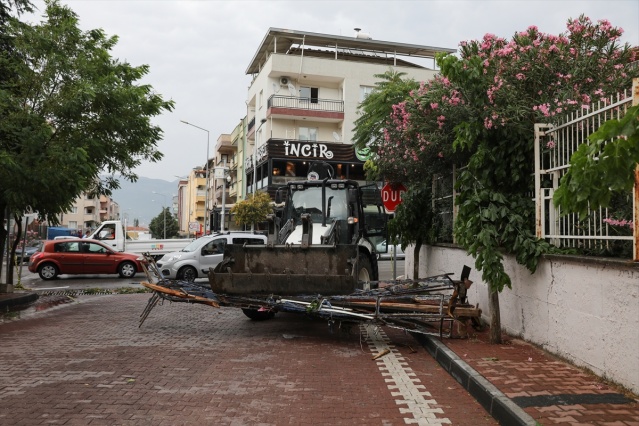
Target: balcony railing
x=314, y=104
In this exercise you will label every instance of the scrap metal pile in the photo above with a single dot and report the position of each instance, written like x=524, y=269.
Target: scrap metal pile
x=431, y=305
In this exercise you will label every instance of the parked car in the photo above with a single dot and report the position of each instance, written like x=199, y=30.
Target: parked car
x=28, y=252
x=387, y=252
x=82, y=256
x=206, y=252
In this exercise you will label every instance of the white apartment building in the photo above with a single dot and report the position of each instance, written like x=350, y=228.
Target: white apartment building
x=303, y=101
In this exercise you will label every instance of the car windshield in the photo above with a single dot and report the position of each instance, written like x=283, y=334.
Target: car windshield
x=309, y=201
x=195, y=245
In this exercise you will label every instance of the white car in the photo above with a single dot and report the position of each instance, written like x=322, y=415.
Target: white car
x=194, y=260
x=388, y=252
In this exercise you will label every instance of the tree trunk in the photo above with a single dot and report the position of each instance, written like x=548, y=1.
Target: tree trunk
x=3, y=236
x=495, y=317
x=418, y=248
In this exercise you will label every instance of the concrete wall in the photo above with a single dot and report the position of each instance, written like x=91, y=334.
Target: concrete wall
x=584, y=310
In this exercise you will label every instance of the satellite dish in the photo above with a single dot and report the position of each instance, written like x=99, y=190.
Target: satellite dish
x=291, y=88
x=276, y=87
x=336, y=136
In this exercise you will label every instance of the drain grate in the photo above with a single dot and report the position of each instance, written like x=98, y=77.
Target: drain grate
x=73, y=293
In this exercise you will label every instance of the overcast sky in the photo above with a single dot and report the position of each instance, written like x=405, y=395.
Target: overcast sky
x=198, y=51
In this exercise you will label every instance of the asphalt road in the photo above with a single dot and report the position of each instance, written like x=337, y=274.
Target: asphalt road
x=83, y=282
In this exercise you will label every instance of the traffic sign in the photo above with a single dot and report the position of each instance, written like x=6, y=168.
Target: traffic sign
x=392, y=196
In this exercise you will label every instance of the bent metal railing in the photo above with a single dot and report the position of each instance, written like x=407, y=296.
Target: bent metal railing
x=604, y=230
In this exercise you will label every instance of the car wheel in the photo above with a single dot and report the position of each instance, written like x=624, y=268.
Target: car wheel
x=187, y=273
x=48, y=271
x=127, y=270
x=258, y=314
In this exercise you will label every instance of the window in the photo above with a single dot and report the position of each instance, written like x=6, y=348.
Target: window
x=73, y=224
x=309, y=93
x=74, y=210
x=364, y=91
x=67, y=248
x=248, y=241
x=308, y=134
x=214, y=247
x=93, y=248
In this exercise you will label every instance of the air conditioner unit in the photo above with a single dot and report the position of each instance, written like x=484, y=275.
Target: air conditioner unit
x=284, y=80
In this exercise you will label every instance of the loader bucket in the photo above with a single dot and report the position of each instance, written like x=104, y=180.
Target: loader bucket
x=285, y=270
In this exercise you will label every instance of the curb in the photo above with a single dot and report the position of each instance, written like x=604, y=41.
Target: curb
x=502, y=408
x=8, y=300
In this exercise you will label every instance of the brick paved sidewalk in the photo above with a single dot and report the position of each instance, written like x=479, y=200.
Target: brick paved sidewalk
x=549, y=389
x=88, y=362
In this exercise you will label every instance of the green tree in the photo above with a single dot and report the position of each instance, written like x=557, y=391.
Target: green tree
x=253, y=209
x=413, y=221
x=374, y=111
x=483, y=109
x=158, y=227
x=71, y=113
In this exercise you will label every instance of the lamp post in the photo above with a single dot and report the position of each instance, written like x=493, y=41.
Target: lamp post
x=206, y=200
x=163, y=211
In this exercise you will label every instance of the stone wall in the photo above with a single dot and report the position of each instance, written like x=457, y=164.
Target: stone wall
x=585, y=310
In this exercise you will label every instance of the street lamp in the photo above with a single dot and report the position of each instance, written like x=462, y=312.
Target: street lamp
x=163, y=211
x=206, y=200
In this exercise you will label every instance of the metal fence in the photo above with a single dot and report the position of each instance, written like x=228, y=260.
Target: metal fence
x=601, y=232
x=316, y=104
x=444, y=208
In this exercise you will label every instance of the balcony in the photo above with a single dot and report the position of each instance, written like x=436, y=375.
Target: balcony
x=293, y=107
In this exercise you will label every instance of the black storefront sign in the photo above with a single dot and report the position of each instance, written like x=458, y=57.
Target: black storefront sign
x=292, y=158
x=311, y=151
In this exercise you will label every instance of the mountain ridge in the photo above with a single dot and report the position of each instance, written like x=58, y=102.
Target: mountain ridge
x=138, y=201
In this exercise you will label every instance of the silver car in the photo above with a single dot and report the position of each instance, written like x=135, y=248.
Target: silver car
x=194, y=260
x=387, y=252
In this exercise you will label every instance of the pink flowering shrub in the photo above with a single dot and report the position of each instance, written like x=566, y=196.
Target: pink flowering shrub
x=480, y=114
x=505, y=86
x=624, y=223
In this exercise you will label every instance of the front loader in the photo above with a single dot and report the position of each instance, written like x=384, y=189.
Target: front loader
x=320, y=260
x=321, y=242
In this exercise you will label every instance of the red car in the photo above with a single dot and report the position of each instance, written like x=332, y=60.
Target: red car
x=82, y=256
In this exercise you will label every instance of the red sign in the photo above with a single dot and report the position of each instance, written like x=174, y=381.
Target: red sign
x=392, y=196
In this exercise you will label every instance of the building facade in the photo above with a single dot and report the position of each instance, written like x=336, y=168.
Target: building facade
x=88, y=212
x=304, y=99
x=302, y=104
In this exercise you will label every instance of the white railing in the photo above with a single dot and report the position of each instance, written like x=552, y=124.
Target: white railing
x=554, y=146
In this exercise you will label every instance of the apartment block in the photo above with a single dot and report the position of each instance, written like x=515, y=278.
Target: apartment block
x=303, y=100
x=302, y=103
x=88, y=212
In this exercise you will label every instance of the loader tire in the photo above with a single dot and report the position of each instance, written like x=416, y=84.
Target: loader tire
x=364, y=269
x=257, y=315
